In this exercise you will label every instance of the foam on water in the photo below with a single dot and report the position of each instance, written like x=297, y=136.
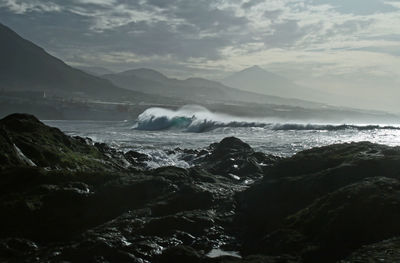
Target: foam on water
x=193, y=118
x=158, y=130
x=159, y=158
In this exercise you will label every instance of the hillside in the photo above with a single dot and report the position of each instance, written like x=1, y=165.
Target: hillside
x=256, y=79
x=25, y=66
x=198, y=89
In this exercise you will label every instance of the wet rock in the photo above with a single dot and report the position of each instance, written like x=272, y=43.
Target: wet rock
x=128, y=192
x=24, y=140
x=45, y=212
x=340, y=222
x=257, y=259
x=88, y=203
x=180, y=254
x=384, y=251
x=294, y=183
x=232, y=156
x=200, y=175
x=188, y=197
x=195, y=223
x=136, y=158
x=16, y=249
x=172, y=173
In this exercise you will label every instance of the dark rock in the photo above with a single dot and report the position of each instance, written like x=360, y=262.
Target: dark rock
x=201, y=175
x=86, y=140
x=88, y=203
x=362, y=213
x=27, y=141
x=16, y=249
x=235, y=159
x=340, y=222
x=188, y=197
x=172, y=173
x=195, y=223
x=104, y=148
x=256, y=259
x=384, y=251
x=294, y=183
x=180, y=254
x=136, y=157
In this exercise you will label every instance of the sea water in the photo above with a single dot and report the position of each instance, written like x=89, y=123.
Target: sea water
x=157, y=131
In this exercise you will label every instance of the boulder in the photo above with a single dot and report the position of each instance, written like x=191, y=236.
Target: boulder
x=384, y=251
x=235, y=159
x=294, y=183
x=340, y=222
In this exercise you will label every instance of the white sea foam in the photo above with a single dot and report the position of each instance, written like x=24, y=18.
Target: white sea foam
x=193, y=118
x=271, y=136
x=160, y=158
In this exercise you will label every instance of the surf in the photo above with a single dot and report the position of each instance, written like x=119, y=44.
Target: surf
x=198, y=119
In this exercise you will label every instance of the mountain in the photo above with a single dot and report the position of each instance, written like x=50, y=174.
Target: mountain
x=95, y=71
x=196, y=89
x=145, y=73
x=256, y=79
x=25, y=66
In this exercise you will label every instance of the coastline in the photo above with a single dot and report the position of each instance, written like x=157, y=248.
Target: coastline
x=71, y=199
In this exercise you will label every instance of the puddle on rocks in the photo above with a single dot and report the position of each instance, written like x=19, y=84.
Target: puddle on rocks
x=217, y=252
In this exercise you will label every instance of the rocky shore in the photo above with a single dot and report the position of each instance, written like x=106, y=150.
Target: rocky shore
x=69, y=199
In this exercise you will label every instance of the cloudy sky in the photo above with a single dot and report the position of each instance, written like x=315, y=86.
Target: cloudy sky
x=344, y=46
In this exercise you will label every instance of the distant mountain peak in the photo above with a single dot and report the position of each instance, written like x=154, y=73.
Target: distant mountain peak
x=254, y=68
x=145, y=73
x=94, y=70
x=259, y=80
x=256, y=72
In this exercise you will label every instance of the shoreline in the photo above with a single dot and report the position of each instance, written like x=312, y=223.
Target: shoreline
x=71, y=199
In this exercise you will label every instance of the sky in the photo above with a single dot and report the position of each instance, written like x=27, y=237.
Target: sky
x=341, y=46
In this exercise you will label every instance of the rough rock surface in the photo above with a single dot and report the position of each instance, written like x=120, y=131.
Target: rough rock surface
x=320, y=202
x=384, y=251
x=69, y=199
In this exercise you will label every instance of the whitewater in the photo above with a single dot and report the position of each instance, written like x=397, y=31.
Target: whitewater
x=158, y=131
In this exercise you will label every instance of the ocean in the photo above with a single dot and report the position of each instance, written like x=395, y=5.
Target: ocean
x=157, y=131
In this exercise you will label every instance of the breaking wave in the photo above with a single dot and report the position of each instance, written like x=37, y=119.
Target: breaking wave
x=330, y=127
x=193, y=118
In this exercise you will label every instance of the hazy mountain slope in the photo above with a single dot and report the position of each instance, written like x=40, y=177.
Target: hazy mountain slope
x=143, y=80
x=95, y=71
x=26, y=66
x=145, y=73
x=256, y=79
x=198, y=89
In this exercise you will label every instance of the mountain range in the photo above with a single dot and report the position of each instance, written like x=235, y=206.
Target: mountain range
x=27, y=70
x=195, y=89
x=95, y=71
x=258, y=80
x=25, y=66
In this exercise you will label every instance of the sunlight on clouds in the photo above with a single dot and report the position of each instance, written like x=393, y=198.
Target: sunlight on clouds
x=97, y=2
x=21, y=7
x=325, y=39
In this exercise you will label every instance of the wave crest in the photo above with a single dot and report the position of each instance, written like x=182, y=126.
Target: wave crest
x=194, y=118
x=191, y=118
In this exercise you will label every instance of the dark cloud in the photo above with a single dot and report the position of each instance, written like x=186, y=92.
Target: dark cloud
x=177, y=34
x=183, y=28
x=203, y=15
